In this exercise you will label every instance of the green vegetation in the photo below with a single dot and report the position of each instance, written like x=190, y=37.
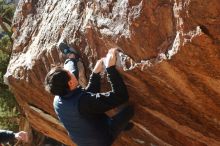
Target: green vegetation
x=9, y=115
x=6, y=16
x=8, y=110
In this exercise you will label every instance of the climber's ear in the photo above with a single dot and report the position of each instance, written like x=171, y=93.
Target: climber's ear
x=73, y=82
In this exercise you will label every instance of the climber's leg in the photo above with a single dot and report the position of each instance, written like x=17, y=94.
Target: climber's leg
x=73, y=57
x=120, y=121
x=71, y=65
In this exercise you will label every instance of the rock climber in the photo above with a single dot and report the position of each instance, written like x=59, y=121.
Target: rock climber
x=82, y=111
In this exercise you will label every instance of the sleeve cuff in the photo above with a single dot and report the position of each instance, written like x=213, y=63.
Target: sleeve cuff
x=95, y=75
x=11, y=132
x=111, y=69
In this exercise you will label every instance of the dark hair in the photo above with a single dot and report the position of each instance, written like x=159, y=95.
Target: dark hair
x=56, y=81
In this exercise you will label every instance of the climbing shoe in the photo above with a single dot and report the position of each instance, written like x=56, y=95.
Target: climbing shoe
x=65, y=49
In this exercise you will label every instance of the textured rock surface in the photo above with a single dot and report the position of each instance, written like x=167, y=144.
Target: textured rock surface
x=170, y=63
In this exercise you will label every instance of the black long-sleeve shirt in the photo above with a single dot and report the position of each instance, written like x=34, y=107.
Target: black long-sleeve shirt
x=97, y=102
x=6, y=135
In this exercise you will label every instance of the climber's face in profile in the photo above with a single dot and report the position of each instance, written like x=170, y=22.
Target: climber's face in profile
x=73, y=82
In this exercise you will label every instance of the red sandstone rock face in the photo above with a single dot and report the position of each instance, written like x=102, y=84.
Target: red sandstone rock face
x=170, y=63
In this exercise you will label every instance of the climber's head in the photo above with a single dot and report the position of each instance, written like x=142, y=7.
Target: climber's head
x=60, y=81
